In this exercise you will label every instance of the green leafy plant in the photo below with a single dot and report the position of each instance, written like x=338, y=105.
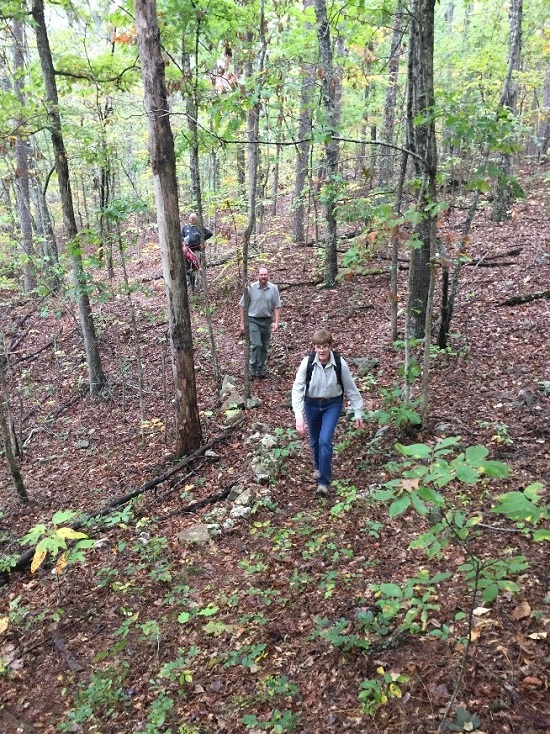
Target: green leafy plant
x=279, y=686
x=341, y=634
x=526, y=507
x=501, y=432
x=490, y=577
x=278, y=722
x=414, y=601
x=247, y=656
x=394, y=410
x=463, y=721
x=54, y=540
x=376, y=692
x=425, y=470
x=348, y=494
x=100, y=699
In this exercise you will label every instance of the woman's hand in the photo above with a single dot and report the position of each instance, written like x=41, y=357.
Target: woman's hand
x=300, y=426
x=359, y=422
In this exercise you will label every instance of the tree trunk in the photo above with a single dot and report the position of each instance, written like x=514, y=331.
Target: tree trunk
x=163, y=164
x=192, y=108
x=328, y=90
x=106, y=189
x=303, y=147
x=276, y=170
x=422, y=142
x=240, y=163
x=9, y=449
x=504, y=191
x=22, y=150
x=544, y=128
x=44, y=230
x=386, y=154
x=96, y=377
x=302, y=154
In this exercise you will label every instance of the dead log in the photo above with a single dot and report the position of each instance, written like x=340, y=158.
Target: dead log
x=24, y=560
x=527, y=298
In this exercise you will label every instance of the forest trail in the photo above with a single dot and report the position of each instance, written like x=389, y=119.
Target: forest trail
x=269, y=619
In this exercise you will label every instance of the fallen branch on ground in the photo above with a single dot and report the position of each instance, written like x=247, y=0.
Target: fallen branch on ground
x=526, y=298
x=25, y=558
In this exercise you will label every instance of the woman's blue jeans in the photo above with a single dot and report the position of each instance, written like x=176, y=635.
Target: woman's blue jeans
x=322, y=416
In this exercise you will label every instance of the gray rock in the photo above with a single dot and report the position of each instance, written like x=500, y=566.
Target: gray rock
x=443, y=429
x=235, y=492
x=214, y=529
x=233, y=400
x=215, y=515
x=212, y=455
x=246, y=498
x=228, y=385
x=232, y=415
x=197, y=534
x=268, y=441
x=253, y=402
x=238, y=511
x=542, y=259
x=365, y=365
x=264, y=468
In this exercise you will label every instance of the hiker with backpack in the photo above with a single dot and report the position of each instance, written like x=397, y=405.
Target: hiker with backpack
x=322, y=379
x=191, y=233
x=191, y=244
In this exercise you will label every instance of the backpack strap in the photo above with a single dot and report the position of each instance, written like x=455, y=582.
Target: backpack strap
x=309, y=370
x=338, y=365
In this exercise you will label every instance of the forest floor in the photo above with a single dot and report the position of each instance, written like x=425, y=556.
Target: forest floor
x=281, y=623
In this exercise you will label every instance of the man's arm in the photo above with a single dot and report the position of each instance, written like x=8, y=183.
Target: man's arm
x=276, y=317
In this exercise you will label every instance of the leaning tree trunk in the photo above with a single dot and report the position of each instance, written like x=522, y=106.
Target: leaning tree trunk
x=504, y=191
x=96, y=377
x=422, y=143
x=332, y=153
x=163, y=164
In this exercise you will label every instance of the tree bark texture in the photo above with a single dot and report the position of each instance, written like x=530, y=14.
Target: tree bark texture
x=504, y=192
x=302, y=153
x=22, y=151
x=328, y=91
x=9, y=448
x=163, y=164
x=386, y=154
x=192, y=109
x=96, y=377
x=421, y=133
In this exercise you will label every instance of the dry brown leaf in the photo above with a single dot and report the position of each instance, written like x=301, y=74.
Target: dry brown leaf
x=479, y=611
x=522, y=611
